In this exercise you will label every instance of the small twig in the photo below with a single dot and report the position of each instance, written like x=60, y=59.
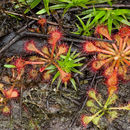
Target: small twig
x=23, y=34
x=29, y=17
x=91, y=38
x=33, y=18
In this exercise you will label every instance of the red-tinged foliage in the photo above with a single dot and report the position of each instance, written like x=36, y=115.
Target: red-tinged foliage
x=47, y=56
x=41, y=21
x=55, y=36
x=124, y=31
x=46, y=76
x=62, y=49
x=30, y=46
x=101, y=29
x=20, y=63
x=65, y=77
x=33, y=73
x=114, y=57
x=112, y=89
x=84, y=121
x=11, y=93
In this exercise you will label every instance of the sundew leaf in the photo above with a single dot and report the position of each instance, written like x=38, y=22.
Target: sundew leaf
x=96, y=120
x=112, y=115
x=9, y=66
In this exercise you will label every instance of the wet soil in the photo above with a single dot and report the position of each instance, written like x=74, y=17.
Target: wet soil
x=40, y=106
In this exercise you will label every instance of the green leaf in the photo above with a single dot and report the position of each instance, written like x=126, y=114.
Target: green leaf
x=79, y=59
x=9, y=66
x=122, y=20
x=32, y=5
x=82, y=23
x=57, y=6
x=96, y=120
x=89, y=11
x=98, y=16
x=73, y=83
x=76, y=71
x=112, y=99
x=90, y=103
x=55, y=77
x=106, y=16
x=120, y=11
x=50, y=67
x=110, y=20
x=67, y=7
x=46, y=4
x=112, y=115
x=58, y=84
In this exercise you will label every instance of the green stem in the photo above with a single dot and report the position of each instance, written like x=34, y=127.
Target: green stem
x=118, y=108
x=97, y=113
x=106, y=104
x=98, y=102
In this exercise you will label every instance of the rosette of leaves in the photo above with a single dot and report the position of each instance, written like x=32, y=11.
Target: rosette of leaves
x=107, y=16
x=68, y=64
x=113, y=57
x=98, y=108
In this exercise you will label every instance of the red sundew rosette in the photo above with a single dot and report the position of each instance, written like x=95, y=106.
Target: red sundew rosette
x=42, y=21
